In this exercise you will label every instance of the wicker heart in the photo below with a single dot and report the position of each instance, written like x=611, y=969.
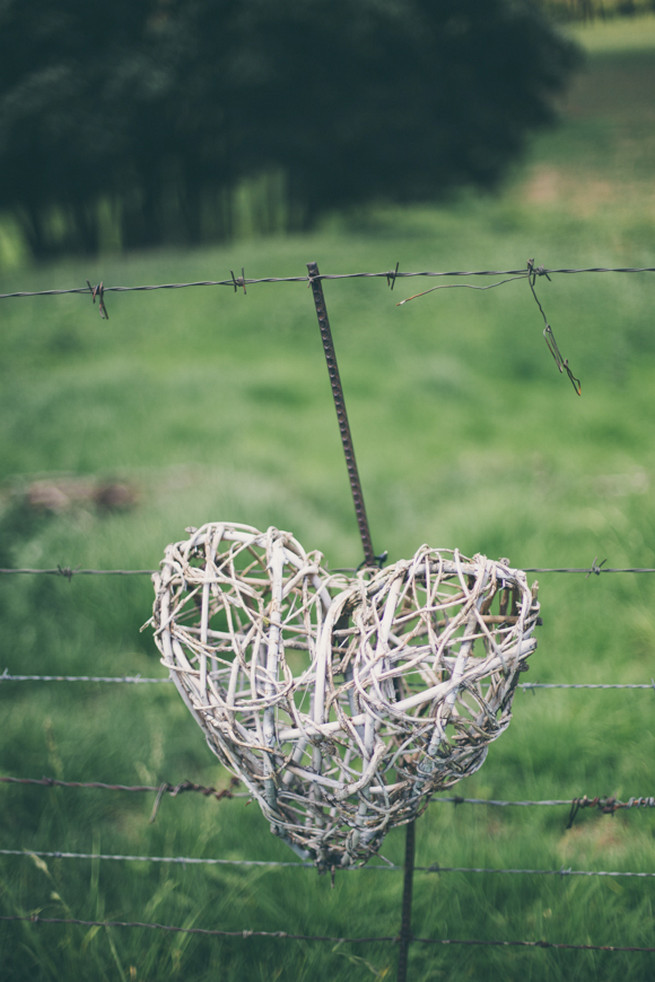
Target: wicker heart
x=342, y=702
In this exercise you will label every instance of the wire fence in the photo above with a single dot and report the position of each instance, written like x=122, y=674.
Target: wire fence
x=242, y=282
x=605, y=805
x=246, y=935
x=388, y=867
x=6, y=676
x=314, y=279
x=67, y=572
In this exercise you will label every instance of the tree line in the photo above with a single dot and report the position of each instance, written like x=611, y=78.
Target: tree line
x=153, y=115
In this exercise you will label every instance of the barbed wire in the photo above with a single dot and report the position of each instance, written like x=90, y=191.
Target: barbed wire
x=126, y=679
x=530, y=686
x=161, y=789
x=596, y=569
x=390, y=275
x=275, y=863
x=606, y=804
x=6, y=676
x=247, y=933
x=68, y=572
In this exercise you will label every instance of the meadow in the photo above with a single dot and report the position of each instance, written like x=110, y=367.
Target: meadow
x=209, y=404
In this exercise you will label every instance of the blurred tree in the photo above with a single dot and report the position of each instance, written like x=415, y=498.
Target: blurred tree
x=162, y=109
x=395, y=99
x=61, y=138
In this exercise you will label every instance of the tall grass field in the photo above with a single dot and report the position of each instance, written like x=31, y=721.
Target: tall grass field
x=205, y=404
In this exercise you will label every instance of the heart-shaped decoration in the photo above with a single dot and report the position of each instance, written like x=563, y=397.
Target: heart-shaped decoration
x=342, y=702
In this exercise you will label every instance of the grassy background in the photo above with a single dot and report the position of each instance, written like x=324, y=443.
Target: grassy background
x=214, y=405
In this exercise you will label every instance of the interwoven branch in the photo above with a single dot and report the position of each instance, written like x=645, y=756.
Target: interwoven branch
x=342, y=702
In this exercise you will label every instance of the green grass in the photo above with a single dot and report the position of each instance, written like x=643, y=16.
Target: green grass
x=217, y=406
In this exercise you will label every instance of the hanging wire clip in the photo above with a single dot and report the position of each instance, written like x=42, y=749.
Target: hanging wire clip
x=98, y=293
x=562, y=363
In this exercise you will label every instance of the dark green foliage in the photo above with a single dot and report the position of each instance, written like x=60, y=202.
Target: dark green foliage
x=152, y=119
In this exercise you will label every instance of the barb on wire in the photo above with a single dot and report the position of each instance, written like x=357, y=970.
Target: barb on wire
x=174, y=791
x=240, y=282
x=588, y=570
x=608, y=806
x=391, y=277
x=562, y=363
x=97, y=293
x=596, y=567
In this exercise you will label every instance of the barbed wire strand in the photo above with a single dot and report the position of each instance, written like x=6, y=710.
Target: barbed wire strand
x=68, y=572
x=247, y=933
x=161, y=789
x=125, y=679
x=529, y=686
x=389, y=275
x=6, y=676
x=607, y=804
x=389, y=867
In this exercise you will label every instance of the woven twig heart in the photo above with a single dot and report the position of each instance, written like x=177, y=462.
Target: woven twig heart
x=342, y=702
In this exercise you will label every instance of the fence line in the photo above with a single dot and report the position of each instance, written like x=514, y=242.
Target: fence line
x=389, y=867
x=390, y=275
x=246, y=934
x=607, y=804
x=127, y=679
x=67, y=572
x=6, y=676
x=529, y=686
x=161, y=789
